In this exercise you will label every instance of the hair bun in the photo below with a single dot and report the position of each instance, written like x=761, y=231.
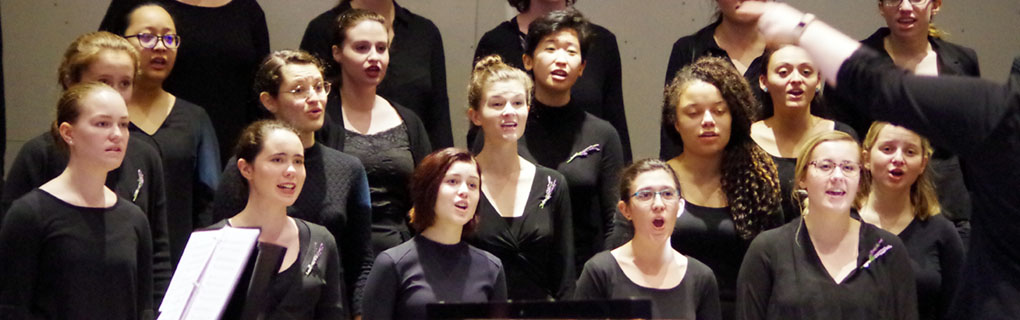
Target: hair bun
x=489, y=62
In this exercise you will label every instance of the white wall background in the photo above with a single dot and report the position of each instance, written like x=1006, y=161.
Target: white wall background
x=35, y=33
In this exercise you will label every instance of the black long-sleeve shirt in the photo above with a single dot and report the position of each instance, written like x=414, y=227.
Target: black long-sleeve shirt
x=335, y=195
x=139, y=179
x=782, y=277
x=221, y=48
x=937, y=254
x=190, y=152
x=62, y=261
x=599, y=90
x=984, y=136
x=416, y=76
x=407, y=277
x=696, y=297
x=537, y=249
x=586, y=150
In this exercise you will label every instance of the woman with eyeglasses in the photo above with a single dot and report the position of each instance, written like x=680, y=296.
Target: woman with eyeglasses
x=335, y=195
x=729, y=184
x=912, y=42
x=271, y=169
x=110, y=59
x=826, y=264
x=647, y=266
x=898, y=196
x=179, y=129
x=224, y=41
x=390, y=140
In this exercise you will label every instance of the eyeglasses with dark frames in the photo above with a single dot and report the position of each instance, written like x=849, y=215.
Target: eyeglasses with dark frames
x=149, y=40
x=648, y=195
x=896, y=3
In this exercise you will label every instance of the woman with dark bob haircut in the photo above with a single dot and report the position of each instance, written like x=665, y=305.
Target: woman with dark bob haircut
x=730, y=184
x=436, y=265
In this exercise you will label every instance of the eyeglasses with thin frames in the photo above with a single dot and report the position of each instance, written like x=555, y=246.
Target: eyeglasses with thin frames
x=849, y=168
x=648, y=195
x=149, y=41
x=896, y=3
x=302, y=92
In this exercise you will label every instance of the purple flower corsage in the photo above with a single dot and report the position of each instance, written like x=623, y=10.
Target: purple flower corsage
x=549, y=187
x=876, y=252
x=584, y=153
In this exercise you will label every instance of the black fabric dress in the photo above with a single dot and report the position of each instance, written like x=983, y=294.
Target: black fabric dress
x=335, y=196
x=985, y=135
x=686, y=51
x=416, y=76
x=786, y=167
x=536, y=249
x=139, y=179
x=696, y=297
x=310, y=288
x=62, y=261
x=586, y=150
x=191, y=157
x=221, y=49
x=782, y=277
x=407, y=277
x=952, y=59
x=599, y=90
x=707, y=234
x=936, y=254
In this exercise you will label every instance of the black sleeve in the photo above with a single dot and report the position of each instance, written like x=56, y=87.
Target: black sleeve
x=382, y=289
x=754, y=282
x=145, y=275
x=591, y=285
x=420, y=145
x=330, y=304
x=358, y=239
x=27, y=172
x=437, y=119
x=207, y=171
x=21, y=239
x=951, y=258
x=162, y=267
x=231, y=193
x=709, y=307
x=612, y=162
x=563, y=217
x=612, y=98
x=115, y=19
x=929, y=106
x=905, y=285
x=499, y=288
x=317, y=40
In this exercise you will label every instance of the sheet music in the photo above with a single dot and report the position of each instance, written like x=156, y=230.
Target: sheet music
x=207, y=273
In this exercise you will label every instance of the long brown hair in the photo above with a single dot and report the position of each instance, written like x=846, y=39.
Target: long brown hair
x=922, y=191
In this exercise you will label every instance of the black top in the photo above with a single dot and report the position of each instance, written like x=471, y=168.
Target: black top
x=335, y=195
x=696, y=297
x=782, y=277
x=685, y=51
x=221, y=49
x=191, y=156
x=334, y=135
x=586, y=150
x=407, y=277
x=416, y=76
x=138, y=179
x=982, y=135
x=786, y=167
x=951, y=59
x=389, y=166
x=537, y=249
x=63, y=261
x=936, y=254
x=311, y=287
x=599, y=89
x=704, y=233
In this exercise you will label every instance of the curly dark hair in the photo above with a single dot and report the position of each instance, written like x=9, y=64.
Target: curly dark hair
x=749, y=177
x=524, y=5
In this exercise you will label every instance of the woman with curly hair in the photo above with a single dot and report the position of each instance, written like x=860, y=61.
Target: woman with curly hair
x=730, y=184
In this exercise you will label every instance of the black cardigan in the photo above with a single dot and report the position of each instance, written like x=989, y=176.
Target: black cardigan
x=986, y=136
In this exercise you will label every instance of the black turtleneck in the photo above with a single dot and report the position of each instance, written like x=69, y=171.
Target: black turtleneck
x=556, y=138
